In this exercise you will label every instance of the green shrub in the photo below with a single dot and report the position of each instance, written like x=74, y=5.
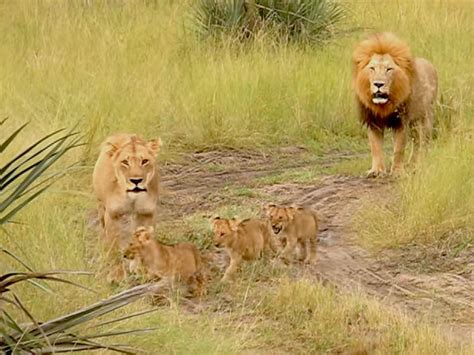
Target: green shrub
x=307, y=21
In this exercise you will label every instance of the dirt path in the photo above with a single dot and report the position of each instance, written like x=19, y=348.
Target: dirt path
x=196, y=185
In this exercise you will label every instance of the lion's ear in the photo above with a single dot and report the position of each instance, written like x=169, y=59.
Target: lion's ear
x=110, y=149
x=233, y=224
x=154, y=146
x=267, y=207
x=291, y=212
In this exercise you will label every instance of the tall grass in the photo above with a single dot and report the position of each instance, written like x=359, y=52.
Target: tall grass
x=134, y=66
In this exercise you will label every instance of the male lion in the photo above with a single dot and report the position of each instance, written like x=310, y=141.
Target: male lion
x=125, y=181
x=179, y=262
x=393, y=90
x=242, y=240
x=296, y=226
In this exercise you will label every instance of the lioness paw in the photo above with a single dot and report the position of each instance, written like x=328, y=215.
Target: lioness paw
x=374, y=173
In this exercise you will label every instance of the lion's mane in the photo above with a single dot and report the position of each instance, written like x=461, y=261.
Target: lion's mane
x=382, y=43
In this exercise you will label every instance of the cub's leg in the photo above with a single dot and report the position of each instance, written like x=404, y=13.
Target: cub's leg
x=291, y=242
x=235, y=261
x=311, y=246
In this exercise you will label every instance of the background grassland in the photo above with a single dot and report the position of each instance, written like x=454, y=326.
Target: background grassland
x=135, y=66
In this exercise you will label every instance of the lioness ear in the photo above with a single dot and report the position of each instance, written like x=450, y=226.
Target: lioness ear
x=154, y=146
x=110, y=149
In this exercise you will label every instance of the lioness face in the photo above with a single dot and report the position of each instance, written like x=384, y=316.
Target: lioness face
x=381, y=71
x=134, y=165
x=222, y=229
x=279, y=217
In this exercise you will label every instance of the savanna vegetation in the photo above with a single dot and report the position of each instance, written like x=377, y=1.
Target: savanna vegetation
x=146, y=67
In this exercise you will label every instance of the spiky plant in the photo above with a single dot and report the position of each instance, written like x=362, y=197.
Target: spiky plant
x=23, y=178
x=307, y=21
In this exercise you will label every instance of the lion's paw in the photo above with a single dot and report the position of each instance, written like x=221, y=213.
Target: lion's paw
x=375, y=173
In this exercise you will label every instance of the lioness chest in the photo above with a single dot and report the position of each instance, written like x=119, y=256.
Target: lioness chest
x=131, y=204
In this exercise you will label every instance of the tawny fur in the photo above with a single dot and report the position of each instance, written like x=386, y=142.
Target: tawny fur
x=179, y=262
x=296, y=227
x=123, y=160
x=411, y=95
x=242, y=240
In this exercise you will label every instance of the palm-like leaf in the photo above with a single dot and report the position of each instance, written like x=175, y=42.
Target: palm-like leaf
x=22, y=179
x=308, y=21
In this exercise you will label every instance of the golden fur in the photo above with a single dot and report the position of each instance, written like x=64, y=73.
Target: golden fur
x=125, y=181
x=181, y=262
x=242, y=240
x=393, y=90
x=295, y=226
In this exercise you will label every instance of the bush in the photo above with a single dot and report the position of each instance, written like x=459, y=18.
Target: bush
x=307, y=21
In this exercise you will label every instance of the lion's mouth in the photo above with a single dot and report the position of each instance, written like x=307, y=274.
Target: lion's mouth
x=277, y=228
x=379, y=98
x=137, y=189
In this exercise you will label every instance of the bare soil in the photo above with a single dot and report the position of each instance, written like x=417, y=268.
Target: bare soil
x=197, y=185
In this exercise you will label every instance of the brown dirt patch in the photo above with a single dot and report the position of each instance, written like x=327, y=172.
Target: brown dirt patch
x=196, y=185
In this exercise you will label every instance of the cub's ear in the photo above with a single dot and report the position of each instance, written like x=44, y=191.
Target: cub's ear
x=150, y=230
x=154, y=146
x=267, y=207
x=233, y=224
x=291, y=211
x=110, y=149
x=214, y=220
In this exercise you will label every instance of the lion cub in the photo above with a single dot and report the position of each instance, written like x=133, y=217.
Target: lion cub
x=297, y=226
x=243, y=240
x=175, y=262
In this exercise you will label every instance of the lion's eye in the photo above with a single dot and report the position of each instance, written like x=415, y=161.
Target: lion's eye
x=145, y=161
x=389, y=69
x=372, y=68
x=124, y=163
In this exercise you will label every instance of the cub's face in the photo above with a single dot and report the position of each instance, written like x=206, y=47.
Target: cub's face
x=279, y=217
x=141, y=237
x=381, y=72
x=223, y=229
x=135, y=164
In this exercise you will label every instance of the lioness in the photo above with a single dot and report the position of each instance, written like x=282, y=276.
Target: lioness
x=181, y=262
x=393, y=90
x=125, y=181
x=295, y=226
x=242, y=240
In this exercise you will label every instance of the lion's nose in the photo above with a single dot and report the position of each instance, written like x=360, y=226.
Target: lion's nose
x=379, y=84
x=136, y=181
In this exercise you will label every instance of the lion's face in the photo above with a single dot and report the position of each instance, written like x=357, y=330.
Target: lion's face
x=223, y=229
x=135, y=165
x=141, y=237
x=279, y=217
x=381, y=71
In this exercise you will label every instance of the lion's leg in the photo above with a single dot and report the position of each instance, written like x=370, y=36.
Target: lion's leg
x=235, y=261
x=376, y=147
x=311, y=245
x=287, y=252
x=113, y=257
x=302, y=248
x=399, y=138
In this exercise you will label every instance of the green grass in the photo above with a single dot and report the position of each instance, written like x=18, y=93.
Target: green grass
x=134, y=66
x=434, y=207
